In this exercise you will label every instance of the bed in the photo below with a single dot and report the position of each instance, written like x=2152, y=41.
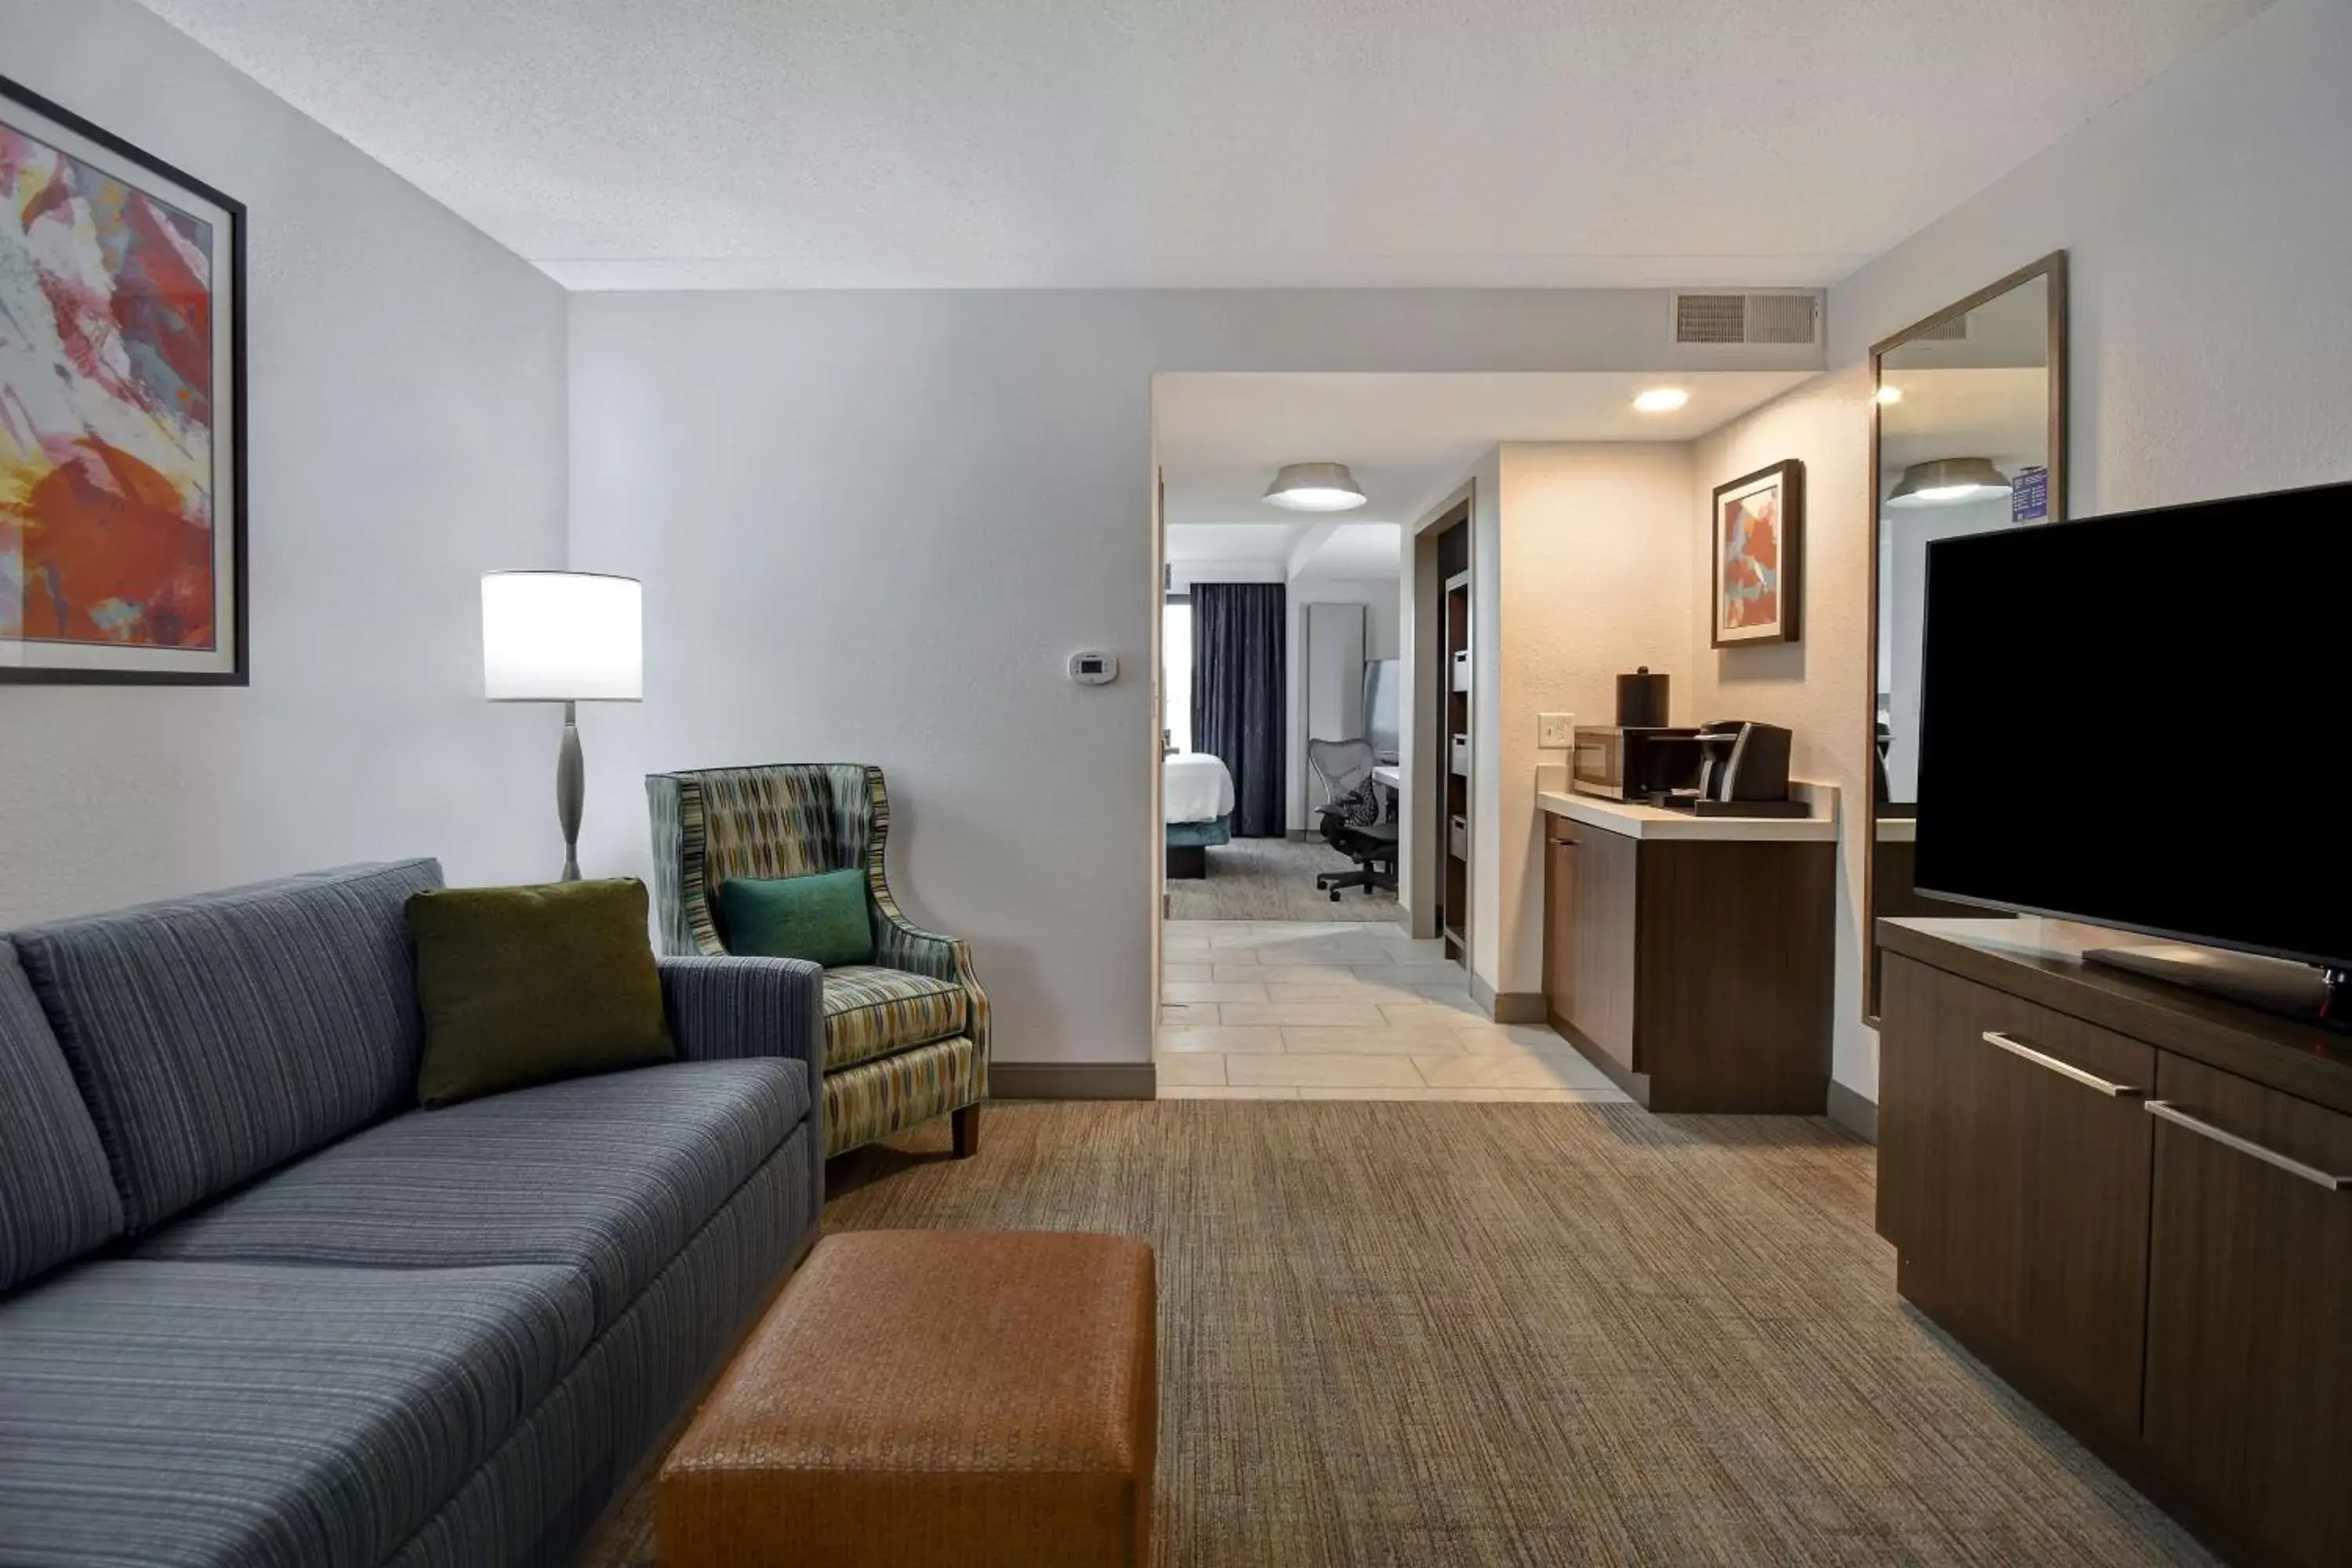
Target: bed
x=1197, y=804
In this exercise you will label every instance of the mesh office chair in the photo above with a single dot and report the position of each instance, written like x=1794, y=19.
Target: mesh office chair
x=1355, y=816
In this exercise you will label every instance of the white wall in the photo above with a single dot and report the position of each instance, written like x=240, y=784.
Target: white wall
x=874, y=525
x=2207, y=240
x=407, y=419
x=1383, y=638
x=1594, y=581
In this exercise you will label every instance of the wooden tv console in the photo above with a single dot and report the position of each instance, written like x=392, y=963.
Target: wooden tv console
x=2135, y=1203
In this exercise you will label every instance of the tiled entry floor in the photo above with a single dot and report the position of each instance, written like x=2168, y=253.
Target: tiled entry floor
x=1253, y=1010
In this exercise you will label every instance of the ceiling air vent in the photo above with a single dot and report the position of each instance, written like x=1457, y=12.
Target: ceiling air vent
x=1780, y=317
x=1955, y=330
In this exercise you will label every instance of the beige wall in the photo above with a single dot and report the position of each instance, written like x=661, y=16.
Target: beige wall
x=1813, y=687
x=1594, y=579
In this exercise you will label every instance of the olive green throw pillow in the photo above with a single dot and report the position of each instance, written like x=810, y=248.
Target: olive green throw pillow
x=821, y=918
x=520, y=985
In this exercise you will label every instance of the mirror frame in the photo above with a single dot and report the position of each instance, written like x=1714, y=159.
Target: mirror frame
x=2052, y=268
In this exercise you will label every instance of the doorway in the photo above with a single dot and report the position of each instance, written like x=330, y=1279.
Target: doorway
x=1286, y=966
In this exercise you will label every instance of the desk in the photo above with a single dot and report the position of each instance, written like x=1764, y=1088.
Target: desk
x=1389, y=776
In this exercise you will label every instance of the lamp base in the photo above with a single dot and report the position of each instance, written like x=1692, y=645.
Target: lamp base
x=571, y=790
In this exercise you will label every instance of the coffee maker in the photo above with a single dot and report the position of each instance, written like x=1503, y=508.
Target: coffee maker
x=1743, y=771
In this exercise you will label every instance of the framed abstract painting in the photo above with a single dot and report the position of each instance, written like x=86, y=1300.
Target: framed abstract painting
x=122, y=411
x=1759, y=528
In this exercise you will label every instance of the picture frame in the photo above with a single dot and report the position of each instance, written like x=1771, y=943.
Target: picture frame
x=122, y=412
x=1757, y=534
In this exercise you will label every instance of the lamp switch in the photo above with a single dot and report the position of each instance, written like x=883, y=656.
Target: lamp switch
x=1555, y=731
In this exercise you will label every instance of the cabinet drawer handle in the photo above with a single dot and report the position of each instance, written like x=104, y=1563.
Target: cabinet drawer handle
x=2168, y=1112
x=2064, y=1069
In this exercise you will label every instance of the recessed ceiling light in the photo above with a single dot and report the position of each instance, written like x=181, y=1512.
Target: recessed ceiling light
x=1315, y=487
x=1662, y=400
x=1890, y=394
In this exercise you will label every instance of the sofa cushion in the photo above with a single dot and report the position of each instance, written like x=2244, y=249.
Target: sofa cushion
x=607, y=1176
x=821, y=918
x=218, y=1036
x=56, y=1199
x=870, y=1012
x=524, y=985
x=232, y=1414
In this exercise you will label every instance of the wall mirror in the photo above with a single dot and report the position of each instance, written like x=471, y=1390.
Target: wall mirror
x=1968, y=433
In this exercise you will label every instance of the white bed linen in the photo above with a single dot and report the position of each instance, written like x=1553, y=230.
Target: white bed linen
x=1198, y=787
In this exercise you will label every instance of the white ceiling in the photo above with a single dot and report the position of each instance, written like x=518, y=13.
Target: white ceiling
x=1270, y=543
x=627, y=144
x=1407, y=438
x=1320, y=549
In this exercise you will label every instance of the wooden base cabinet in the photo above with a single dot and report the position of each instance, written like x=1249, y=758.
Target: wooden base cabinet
x=1694, y=971
x=2022, y=1206
x=2087, y=1181
x=2249, y=1409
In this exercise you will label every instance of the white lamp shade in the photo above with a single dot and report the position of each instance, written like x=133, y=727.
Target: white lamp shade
x=562, y=637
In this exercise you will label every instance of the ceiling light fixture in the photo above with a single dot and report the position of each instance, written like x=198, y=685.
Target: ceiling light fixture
x=1948, y=482
x=1662, y=400
x=1315, y=487
x=1890, y=394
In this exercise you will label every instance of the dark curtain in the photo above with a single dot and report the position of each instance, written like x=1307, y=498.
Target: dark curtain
x=1238, y=633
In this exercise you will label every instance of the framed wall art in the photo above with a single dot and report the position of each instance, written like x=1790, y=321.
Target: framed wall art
x=123, y=491
x=1760, y=525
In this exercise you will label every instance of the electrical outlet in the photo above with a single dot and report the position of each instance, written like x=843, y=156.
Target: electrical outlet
x=1555, y=731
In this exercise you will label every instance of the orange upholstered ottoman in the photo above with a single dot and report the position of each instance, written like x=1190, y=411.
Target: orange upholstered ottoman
x=920, y=1396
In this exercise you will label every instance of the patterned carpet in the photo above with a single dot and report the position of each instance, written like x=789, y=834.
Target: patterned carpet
x=1470, y=1334
x=1273, y=879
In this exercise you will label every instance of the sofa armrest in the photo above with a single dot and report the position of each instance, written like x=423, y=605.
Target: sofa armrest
x=724, y=1009
x=720, y=1009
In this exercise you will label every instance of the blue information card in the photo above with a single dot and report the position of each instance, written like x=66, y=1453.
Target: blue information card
x=2029, y=496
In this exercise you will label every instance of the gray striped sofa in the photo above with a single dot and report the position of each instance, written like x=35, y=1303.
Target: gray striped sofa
x=257, y=1310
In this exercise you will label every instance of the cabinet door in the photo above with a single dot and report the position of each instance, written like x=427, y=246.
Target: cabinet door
x=2249, y=1347
x=1560, y=899
x=1601, y=943
x=2013, y=1164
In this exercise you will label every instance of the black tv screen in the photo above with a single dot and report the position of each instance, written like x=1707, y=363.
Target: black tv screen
x=2139, y=722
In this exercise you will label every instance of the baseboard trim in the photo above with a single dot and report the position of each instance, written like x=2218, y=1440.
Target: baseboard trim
x=1506, y=1006
x=1073, y=1081
x=1850, y=1111
x=1520, y=1007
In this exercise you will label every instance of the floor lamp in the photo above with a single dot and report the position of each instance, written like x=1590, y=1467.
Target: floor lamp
x=568, y=637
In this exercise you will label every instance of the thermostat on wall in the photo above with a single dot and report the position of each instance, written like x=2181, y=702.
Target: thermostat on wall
x=1094, y=668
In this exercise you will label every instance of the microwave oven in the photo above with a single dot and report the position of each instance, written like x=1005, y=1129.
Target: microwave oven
x=1630, y=762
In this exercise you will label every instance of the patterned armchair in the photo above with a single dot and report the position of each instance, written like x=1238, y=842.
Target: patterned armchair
x=907, y=1034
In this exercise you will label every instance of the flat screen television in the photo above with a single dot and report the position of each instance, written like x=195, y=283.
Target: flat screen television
x=2139, y=722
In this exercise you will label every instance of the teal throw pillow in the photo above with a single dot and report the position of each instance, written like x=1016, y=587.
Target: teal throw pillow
x=821, y=918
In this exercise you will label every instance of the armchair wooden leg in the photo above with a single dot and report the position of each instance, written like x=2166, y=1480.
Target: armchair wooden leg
x=967, y=1132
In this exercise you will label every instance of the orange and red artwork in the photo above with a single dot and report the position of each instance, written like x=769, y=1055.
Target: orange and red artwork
x=1757, y=519
x=115, y=544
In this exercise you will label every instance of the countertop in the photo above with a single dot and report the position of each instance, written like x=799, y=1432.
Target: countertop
x=1655, y=822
